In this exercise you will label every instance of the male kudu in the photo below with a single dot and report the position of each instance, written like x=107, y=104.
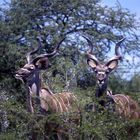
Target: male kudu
x=124, y=105
x=30, y=75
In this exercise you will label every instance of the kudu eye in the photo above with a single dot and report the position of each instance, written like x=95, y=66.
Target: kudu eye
x=31, y=67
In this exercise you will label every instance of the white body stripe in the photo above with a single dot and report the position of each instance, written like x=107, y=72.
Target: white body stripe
x=58, y=102
x=126, y=106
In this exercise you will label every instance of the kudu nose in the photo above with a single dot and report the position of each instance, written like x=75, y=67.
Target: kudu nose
x=101, y=78
x=16, y=75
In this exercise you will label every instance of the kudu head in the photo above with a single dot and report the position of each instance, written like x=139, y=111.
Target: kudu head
x=102, y=70
x=41, y=62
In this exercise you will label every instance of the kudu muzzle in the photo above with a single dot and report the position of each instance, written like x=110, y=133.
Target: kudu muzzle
x=101, y=78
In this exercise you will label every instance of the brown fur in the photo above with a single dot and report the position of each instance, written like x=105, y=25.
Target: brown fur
x=59, y=102
x=126, y=106
x=30, y=75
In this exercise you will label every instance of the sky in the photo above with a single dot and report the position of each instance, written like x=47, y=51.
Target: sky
x=132, y=5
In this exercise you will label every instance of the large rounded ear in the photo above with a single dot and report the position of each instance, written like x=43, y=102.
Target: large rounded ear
x=112, y=64
x=42, y=63
x=92, y=63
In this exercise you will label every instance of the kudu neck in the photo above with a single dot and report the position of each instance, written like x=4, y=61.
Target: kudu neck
x=103, y=99
x=34, y=83
x=101, y=90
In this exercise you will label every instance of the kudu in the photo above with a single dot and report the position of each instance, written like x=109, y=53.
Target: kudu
x=30, y=75
x=123, y=104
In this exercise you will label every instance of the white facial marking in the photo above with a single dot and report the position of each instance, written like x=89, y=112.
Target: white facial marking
x=101, y=72
x=102, y=82
x=33, y=89
x=24, y=69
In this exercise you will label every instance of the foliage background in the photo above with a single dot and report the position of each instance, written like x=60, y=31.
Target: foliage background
x=22, y=21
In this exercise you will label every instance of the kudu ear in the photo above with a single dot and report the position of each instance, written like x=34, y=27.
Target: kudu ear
x=112, y=64
x=92, y=63
x=42, y=63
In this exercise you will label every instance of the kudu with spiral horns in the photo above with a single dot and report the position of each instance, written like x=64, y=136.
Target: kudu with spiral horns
x=30, y=75
x=124, y=105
